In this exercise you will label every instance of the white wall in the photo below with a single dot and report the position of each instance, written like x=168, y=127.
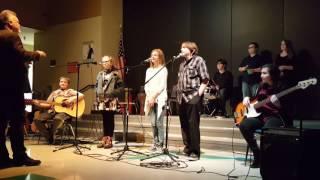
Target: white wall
x=27, y=37
x=64, y=44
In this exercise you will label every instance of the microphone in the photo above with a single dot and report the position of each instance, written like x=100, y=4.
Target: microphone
x=178, y=56
x=147, y=60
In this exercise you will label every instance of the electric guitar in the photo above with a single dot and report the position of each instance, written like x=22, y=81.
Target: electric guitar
x=60, y=107
x=243, y=111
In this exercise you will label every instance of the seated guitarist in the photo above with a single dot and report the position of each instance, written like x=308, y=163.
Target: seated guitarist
x=272, y=112
x=109, y=87
x=58, y=118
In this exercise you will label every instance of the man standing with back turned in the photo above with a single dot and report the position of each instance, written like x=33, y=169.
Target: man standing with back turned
x=12, y=77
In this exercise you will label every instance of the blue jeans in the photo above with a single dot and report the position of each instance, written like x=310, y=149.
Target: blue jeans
x=249, y=90
x=157, y=125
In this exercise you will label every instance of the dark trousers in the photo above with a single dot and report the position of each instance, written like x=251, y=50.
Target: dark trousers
x=42, y=123
x=108, y=123
x=250, y=125
x=223, y=96
x=189, y=114
x=12, y=114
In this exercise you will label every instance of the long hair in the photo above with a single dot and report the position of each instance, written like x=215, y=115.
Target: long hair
x=274, y=73
x=290, y=49
x=161, y=57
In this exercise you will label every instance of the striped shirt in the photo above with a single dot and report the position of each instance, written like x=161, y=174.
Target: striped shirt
x=191, y=74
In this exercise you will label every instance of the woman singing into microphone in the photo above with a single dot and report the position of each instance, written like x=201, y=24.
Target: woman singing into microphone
x=156, y=96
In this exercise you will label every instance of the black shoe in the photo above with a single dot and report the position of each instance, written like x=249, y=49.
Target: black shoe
x=186, y=151
x=255, y=164
x=27, y=161
x=194, y=157
x=6, y=163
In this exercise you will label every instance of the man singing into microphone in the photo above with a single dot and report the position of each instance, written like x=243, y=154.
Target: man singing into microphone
x=193, y=77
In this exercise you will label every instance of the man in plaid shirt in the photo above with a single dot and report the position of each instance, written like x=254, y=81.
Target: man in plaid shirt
x=193, y=78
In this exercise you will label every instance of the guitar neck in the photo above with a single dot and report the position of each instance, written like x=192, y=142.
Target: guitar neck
x=31, y=102
x=287, y=91
x=279, y=95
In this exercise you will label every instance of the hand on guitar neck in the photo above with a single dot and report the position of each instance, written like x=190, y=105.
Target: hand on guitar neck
x=40, y=103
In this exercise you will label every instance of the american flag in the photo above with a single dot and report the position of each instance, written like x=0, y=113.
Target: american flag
x=122, y=60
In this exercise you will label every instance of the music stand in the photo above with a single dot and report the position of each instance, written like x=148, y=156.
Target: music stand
x=165, y=150
x=76, y=142
x=126, y=146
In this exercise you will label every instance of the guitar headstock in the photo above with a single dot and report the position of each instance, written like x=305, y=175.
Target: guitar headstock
x=306, y=83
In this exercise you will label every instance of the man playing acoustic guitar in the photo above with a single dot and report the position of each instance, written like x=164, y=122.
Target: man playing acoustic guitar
x=69, y=96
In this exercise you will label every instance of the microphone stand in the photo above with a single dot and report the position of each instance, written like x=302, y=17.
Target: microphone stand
x=126, y=116
x=165, y=151
x=76, y=142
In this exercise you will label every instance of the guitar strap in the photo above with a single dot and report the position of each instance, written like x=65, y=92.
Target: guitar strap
x=107, y=78
x=256, y=93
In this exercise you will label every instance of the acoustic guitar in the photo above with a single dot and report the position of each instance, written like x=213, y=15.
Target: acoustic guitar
x=243, y=111
x=60, y=107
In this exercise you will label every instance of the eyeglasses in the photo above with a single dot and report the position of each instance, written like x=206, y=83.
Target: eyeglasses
x=250, y=47
x=106, y=61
